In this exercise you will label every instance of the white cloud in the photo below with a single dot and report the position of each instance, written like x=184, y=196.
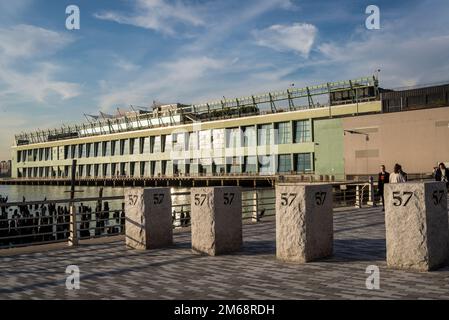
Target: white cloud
x=171, y=80
x=26, y=41
x=126, y=65
x=158, y=15
x=22, y=75
x=403, y=61
x=298, y=37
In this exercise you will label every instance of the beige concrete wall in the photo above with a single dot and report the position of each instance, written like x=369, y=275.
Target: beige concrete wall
x=418, y=140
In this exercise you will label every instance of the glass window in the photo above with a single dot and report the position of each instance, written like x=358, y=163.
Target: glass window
x=267, y=164
x=124, y=147
x=193, y=140
x=81, y=151
x=88, y=150
x=132, y=169
x=144, y=145
x=303, y=132
x=179, y=141
x=152, y=144
x=218, y=139
x=106, y=172
x=114, y=170
x=96, y=170
x=80, y=170
x=233, y=139
x=96, y=149
x=303, y=162
x=73, y=151
x=106, y=148
x=284, y=163
x=123, y=167
x=164, y=167
x=155, y=144
x=133, y=146
x=218, y=165
x=88, y=170
x=264, y=134
x=205, y=139
x=250, y=164
x=249, y=136
x=114, y=147
x=234, y=164
x=143, y=169
x=283, y=133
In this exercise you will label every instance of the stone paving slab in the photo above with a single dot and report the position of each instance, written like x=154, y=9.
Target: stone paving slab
x=110, y=271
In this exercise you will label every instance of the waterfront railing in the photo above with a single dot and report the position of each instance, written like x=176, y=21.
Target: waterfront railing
x=39, y=226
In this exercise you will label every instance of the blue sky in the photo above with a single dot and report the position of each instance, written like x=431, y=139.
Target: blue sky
x=136, y=51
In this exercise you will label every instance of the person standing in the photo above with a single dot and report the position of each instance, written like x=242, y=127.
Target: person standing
x=397, y=176
x=384, y=177
x=442, y=174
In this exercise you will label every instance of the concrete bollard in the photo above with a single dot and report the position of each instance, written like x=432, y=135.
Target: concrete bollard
x=304, y=222
x=216, y=220
x=416, y=225
x=148, y=222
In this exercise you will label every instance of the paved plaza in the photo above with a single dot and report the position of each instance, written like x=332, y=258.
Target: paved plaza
x=110, y=271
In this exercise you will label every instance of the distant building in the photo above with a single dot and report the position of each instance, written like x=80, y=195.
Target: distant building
x=338, y=129
x=5, y=168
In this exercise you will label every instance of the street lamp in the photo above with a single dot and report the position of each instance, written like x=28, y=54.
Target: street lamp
x=356, y=132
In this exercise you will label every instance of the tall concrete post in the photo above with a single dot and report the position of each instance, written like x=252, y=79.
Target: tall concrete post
x=416, y=222
x=304, y=222
x=216, y=220
x=148, y=214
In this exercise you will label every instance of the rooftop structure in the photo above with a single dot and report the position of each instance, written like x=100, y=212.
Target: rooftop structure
x=335, y=93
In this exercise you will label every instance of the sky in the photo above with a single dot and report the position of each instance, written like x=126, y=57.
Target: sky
x=134, y=52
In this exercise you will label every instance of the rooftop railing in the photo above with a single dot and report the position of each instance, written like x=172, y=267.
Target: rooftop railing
x=225, y=108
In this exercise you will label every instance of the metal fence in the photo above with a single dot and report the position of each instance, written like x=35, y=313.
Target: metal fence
x=43, y=222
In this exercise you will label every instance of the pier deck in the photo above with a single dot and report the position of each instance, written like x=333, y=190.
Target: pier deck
x=110, y=271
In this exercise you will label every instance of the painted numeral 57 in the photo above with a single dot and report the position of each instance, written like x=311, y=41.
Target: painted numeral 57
x=158, y=198
x=437, y=196
x=401, y=200
x=288, y=198
x=320, y=197
x=132, y=199
x=200, y=199
x=228, y=198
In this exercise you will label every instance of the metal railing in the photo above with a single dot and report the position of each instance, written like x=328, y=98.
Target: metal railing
x=49, y=221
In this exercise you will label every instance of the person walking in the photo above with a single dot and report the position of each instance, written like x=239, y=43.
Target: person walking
x=398, y=175
x=442, y=174
x=384, y=177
